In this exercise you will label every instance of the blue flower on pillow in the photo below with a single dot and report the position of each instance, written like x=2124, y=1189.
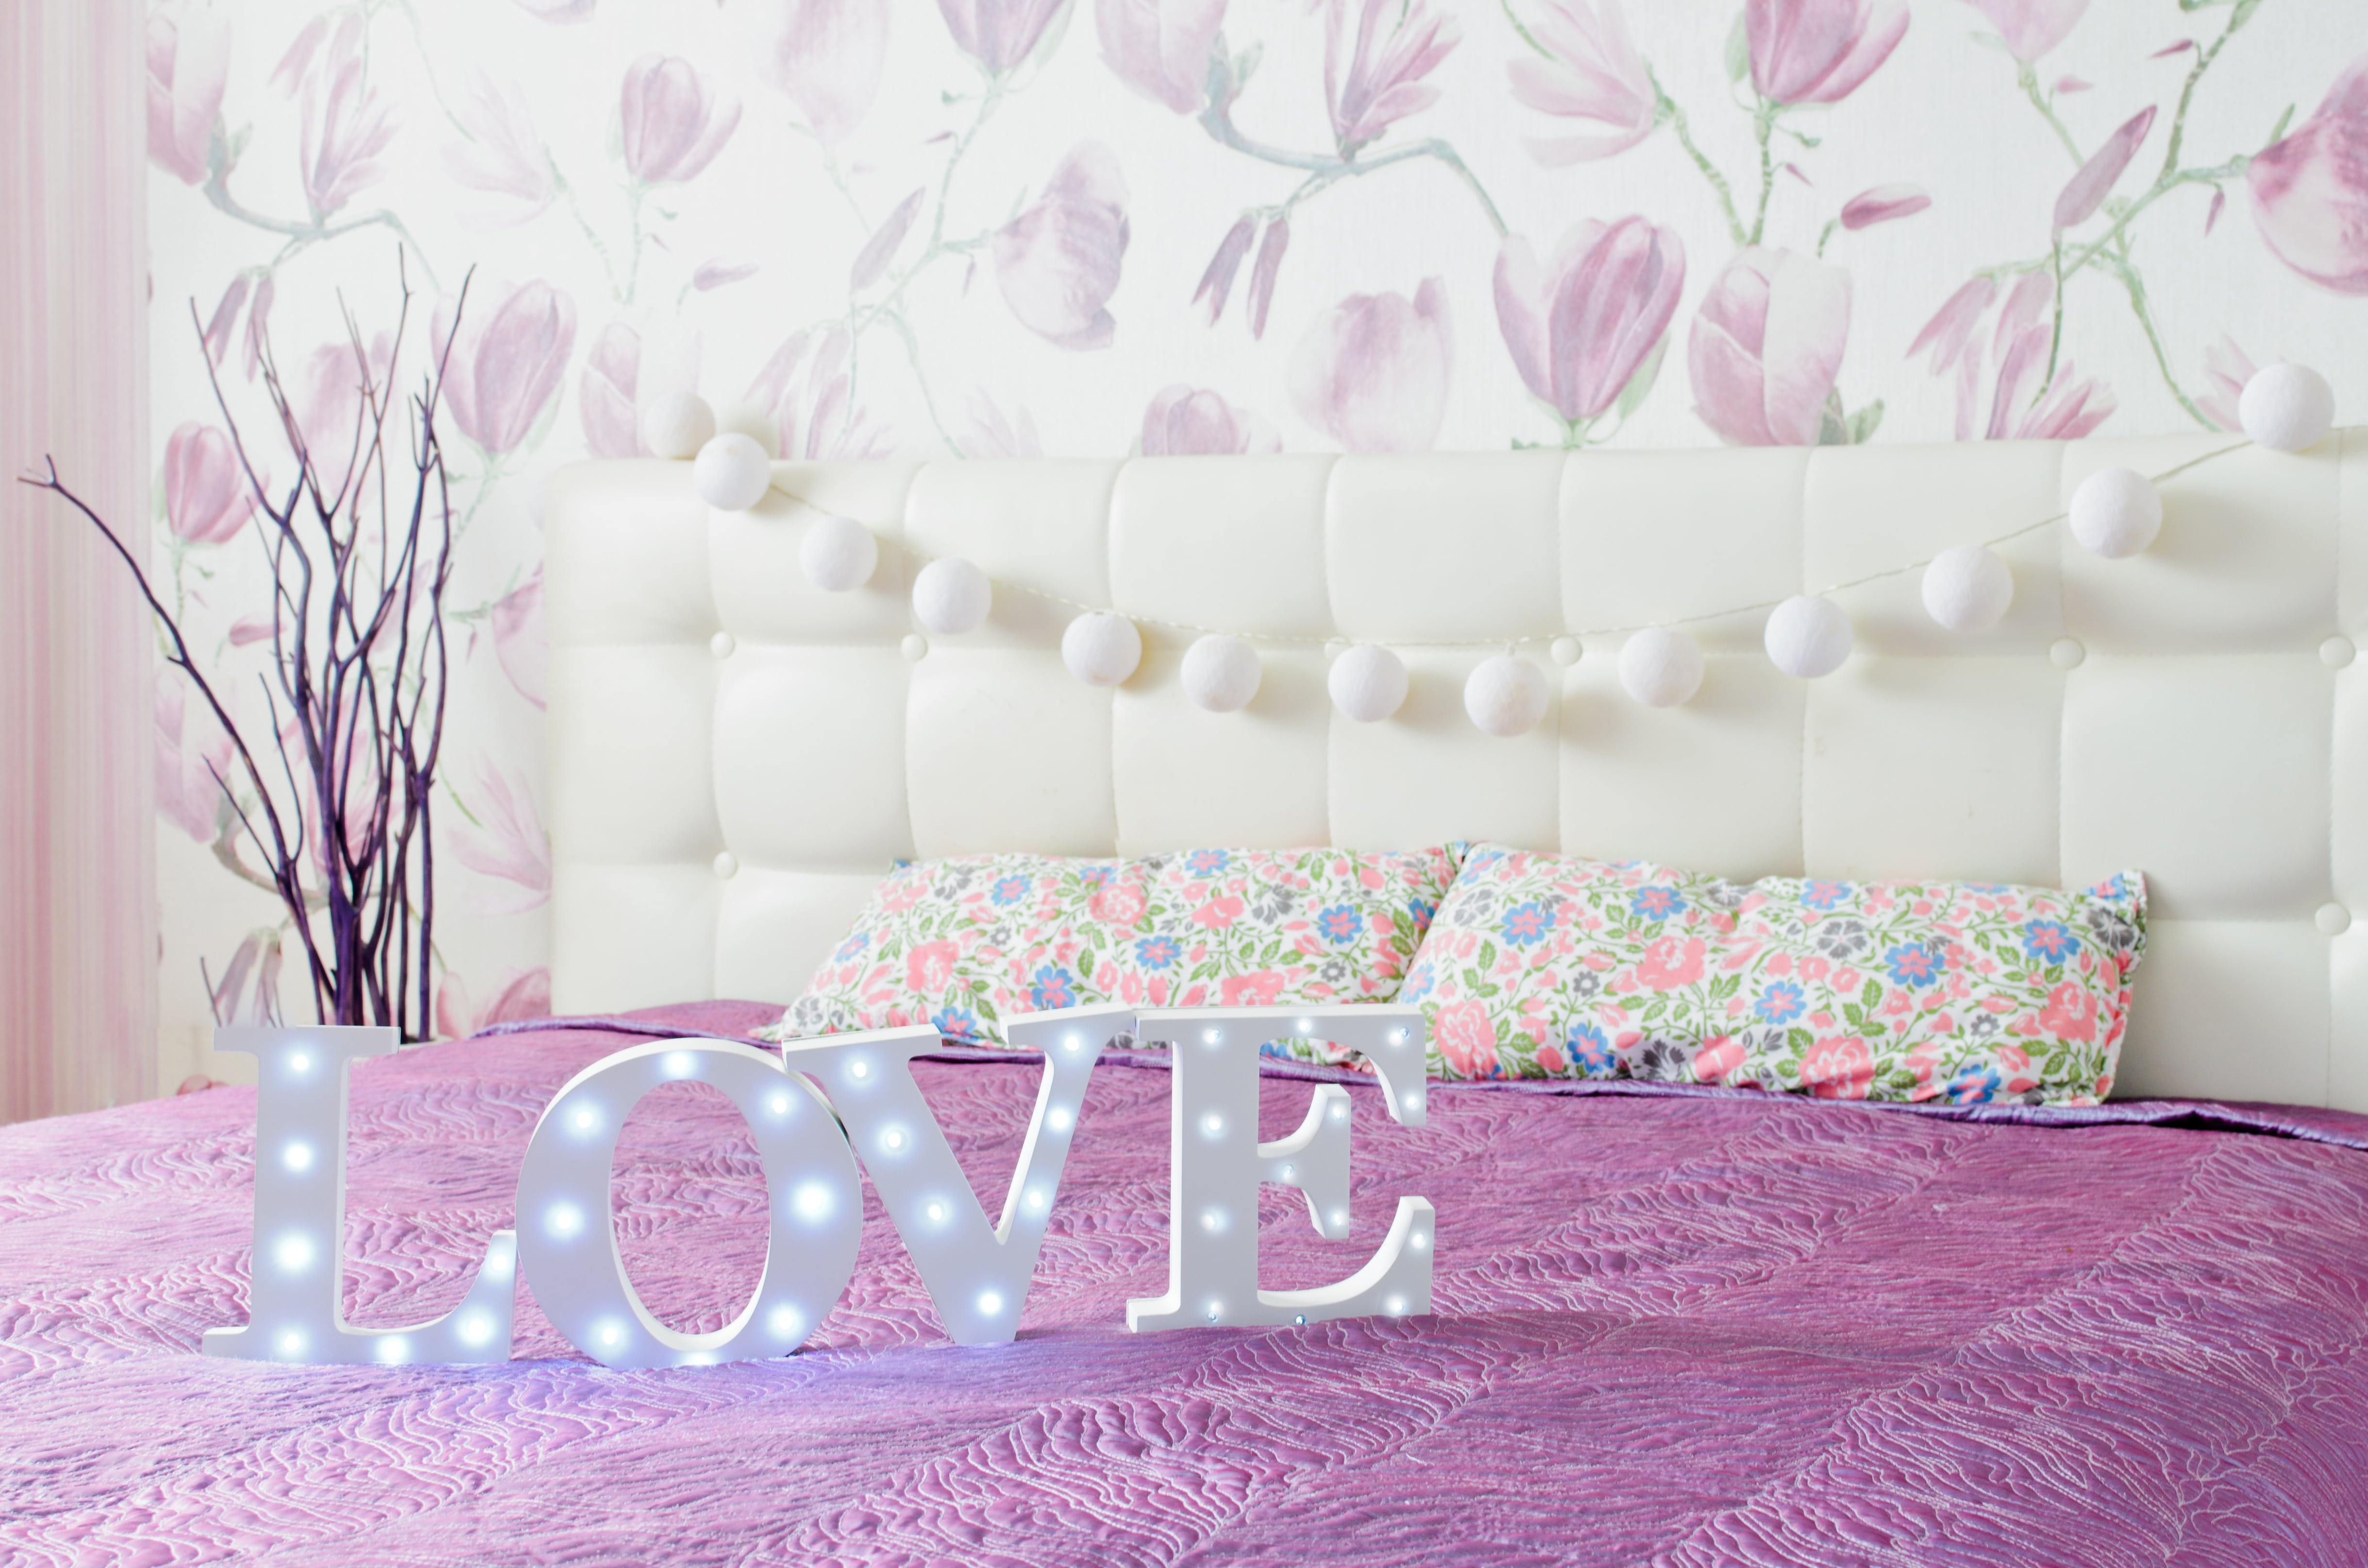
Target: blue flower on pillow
x=957, y=1023
x=1527, y=923
x=1423, y=911
x=1052, y=987
x=1206, y=862
x=1009, y=891
x=1974, y=1085
x=1913, y=963
x=852, y=946
x=1158, y=952
x=2050, y=941
x=1097, y=876
x=1657, y=903
x=1826, y=895
x=1589, y=1050
x=1781, y=1001
x=1339, y=924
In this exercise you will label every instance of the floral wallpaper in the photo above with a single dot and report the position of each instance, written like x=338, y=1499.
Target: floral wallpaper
x=1088, y=227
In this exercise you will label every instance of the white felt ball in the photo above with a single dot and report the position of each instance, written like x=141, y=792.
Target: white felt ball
x=678, y=425
x=1101, y=649
x=1506, y=695
x=732, y=472
x=1660, y=666
x=1967, y=588
x=2286, y=407
x=838, y=554
x=1367, y=683
x=752, y=420
x=2116, y=512
x=951, y=597
x=1808, y=636
x=1221, y=674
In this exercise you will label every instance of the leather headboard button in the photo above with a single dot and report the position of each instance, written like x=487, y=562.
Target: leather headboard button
x=722, y=644
x=2336, y=653
x=727, y=864
x=2334, y=919
x=2066, y=654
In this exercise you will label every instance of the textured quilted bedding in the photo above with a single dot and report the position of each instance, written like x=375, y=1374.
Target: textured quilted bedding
x=1687, y=1329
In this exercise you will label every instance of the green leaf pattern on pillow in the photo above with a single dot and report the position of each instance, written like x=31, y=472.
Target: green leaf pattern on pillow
x=1546, y=966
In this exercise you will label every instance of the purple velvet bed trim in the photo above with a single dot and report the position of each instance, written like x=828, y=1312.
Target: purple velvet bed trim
x=2261, y=1118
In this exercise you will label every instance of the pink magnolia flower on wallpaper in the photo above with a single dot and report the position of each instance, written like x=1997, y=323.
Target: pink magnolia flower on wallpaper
x=2031, y=28
x=828, y=55
x=1579, y=327
x=499, y=154
x=871, y=262
x=810, y=398
x=1881, y=204
x=259, y=958
x=1372, y=371
x=330, y=411
x=193, y=756
x=1057, y=263
x=519, y=642
x=188, y=65
x=1373, y=77
x=506, y=841
x=604, y=393
x=522, y=993
x=345, y=124
x=1185, y=421
x=1161, y=48
x=1819, y=51
x=2310, y=192
x=2227, y=367
x=994, y=434
x=206, y=498
x=2093, y=181
x=1766, y=345
x=1595, y=74
x=2071, y=407
x=1216, y=283
x=999, y=34
x=673, y=123
x=505, y=360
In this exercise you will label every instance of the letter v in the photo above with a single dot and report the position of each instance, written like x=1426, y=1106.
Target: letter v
x=978, y=1278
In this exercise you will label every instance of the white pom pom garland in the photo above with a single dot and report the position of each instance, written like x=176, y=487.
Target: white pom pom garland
x=1660, y=666
x=1968, y=589
x=1807, y=637
x=1100, y=648
x=2116, y=512
x=2287, y=408
x=951, y=597
x=1367, y=684
x=838, y=554
x=1221, y=674
x=1507, y=696
x=732, y=472
x=676, y=425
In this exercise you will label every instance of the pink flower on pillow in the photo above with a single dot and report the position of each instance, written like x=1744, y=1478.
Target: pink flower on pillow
x=1120, y=906
x=1719, y=1058
x=1256, y=989
x=1671, y=962
x=1838, y=1069
x=1218, y=913
x=1467, y=1038
x=930, y=966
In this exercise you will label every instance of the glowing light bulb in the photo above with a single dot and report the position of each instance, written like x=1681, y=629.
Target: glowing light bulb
x=990, y=1302
x=1058, y=1118
x=1036, y=1198
x=1300, y=1319
x=1213, y=1124
x=777, y=1103
x=1339, y=1216
x=892, y=1140
x=297, y=1156
x=290, y=1343
x=294, y=1253
x=612, y=1332
x=1413, y=1099
x=299, y=1061
x=1212, y=1220
x=564, y=1220
x=1289, y=1172
x=393, y=1347
x=1074, y=1042
x=680, y=1065
x=1420, y=1240
x=1211, y=1037
x=813, y=1201
x=937, y=1213
x=858, y=1068
x=1216, y=1311
x=476, y=1328
x=1306, y=1026
x=585, y=1118
x=1339, y=1111
x=1397, y=1036
x=786, y=1322
x=1396, y=1306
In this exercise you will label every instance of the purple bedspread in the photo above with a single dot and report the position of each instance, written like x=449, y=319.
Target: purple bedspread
x=1679, y=1329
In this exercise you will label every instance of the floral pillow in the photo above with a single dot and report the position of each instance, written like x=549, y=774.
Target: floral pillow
x=966, y=942
x=1544, y=966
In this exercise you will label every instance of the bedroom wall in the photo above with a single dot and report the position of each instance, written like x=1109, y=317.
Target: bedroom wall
x=1090, y=227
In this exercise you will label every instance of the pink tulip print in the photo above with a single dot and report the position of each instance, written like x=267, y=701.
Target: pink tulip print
x=1766, y=347
x=1580, y=326
x=1161, y=48
x=2227, y=367
x=1591, y=73
x=503, y=839
x=188, y=67
x=206, y=496
x=193, y=756
x=2031, y=28
x=1819, y=51
x=673, y=122
x=1185, y=421
x=1057, y=263
x=2024, y=403
x=999, y=35
x=518, y=995
x=809, y=387
x=604, y=394
x=2310, y=190
x=1883, y=204
x=1377, y=55
x=330, y=408
x=828, y=55
x=346, y=123
x=507, y=359
x=2087, y=190
x=1372, y=371
x=499, y=156
x=521, y=644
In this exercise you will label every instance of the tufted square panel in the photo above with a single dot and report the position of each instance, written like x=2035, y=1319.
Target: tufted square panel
x=760, y=915
x=1655, y=535
x=1223, y=542
x=810, y=757
x=2237, y=1008
x=622, y=934
x=1435, y=547
x=1186, y=779
x=1005, y=751
x=1427, y=775
x=762, y=594
x=633, y=767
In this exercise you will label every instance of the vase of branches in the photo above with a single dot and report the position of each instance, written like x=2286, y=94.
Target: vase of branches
x=332, y=786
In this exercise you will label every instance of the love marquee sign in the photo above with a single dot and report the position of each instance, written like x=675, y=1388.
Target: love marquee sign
x=816, y=1112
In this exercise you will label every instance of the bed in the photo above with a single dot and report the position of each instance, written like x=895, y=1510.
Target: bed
x=1671, y=1324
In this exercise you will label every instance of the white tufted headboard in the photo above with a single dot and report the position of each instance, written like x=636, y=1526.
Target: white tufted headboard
x=736, y=757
